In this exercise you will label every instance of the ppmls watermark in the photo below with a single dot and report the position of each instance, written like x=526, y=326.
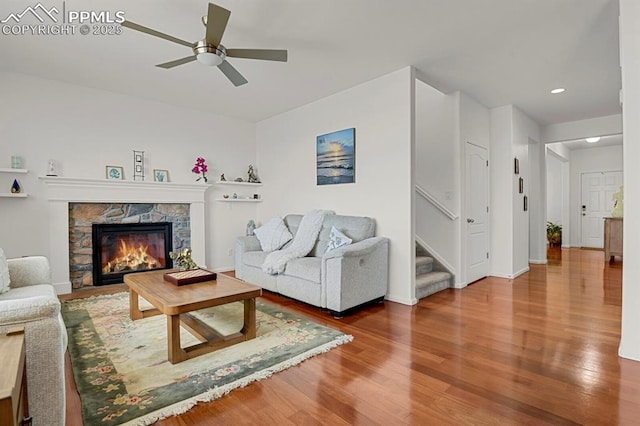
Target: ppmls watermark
x=40, y=20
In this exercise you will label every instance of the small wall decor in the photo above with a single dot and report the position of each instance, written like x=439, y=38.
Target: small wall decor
x=520, y=185
x=138, y=165
x=160, y=175
x=15, y=187
x=516, y=166
x=336, y=157
x=222, y=178
x=52, y=169
x=253, y=177
x=16, y=162
x=526, y=203
x=115, y=172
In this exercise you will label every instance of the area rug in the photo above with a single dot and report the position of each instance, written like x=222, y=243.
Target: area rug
x=121, y=369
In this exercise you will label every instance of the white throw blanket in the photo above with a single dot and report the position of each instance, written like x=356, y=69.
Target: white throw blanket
x=303, y=242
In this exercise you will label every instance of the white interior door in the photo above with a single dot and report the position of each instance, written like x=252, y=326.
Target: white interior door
x=597, y=203
x=477, y=207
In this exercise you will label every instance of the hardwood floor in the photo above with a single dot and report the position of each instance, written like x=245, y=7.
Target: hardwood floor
x=541, y=349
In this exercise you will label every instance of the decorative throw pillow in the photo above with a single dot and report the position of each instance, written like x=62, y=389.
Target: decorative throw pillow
x=337, y=239
x=273, y=234
x=4, y=273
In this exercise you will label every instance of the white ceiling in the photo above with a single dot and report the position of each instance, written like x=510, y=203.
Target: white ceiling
x=498, y=51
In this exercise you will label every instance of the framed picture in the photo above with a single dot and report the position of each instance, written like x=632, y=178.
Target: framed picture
x=520, y=185
x=516, y=166
x=160, y=175
x=336, y=157
x=115, y=172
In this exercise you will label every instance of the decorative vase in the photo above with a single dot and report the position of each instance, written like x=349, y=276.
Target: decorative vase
x=15, y=188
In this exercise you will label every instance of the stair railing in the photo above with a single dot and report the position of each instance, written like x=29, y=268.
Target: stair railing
x=430, y=198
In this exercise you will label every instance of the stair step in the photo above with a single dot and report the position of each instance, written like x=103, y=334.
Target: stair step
x=424, y=265
x=425, y=280
x=428, y=284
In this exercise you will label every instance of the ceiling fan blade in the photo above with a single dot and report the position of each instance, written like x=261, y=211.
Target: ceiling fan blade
x=217, y=18
x=232, y=74
x=264, y=54
x=177, y=62
x=155, y=33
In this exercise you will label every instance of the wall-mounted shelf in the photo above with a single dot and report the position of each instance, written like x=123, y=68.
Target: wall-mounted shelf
x=12, y=195
x=226, y=182
x=9, y=170
x=240, y=200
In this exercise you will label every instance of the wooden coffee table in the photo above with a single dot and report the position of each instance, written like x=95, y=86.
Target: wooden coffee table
x=177, y=301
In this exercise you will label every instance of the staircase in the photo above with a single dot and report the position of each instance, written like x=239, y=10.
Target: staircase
x=430, y=277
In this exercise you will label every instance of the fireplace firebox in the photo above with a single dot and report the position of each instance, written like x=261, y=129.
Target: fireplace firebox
x=120, y=249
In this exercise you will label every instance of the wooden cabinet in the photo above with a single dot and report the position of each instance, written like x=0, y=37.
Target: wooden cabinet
x=612, y=238
x=13, y=379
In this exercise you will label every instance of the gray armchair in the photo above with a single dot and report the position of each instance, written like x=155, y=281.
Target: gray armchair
x=32, y=302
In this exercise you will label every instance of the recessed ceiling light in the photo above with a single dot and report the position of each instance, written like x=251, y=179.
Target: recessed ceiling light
x=558, y=90
x=593, y=140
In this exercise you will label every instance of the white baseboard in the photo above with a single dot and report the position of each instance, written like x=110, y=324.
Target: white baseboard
x=511, y=276
x=63, y=287
x=224, y=269
x=459, y=285
x=538, y=262
x=520, y=272
x=401, y=300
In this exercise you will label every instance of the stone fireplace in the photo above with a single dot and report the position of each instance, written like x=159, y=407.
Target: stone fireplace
x=107, y=201
x=88, y=222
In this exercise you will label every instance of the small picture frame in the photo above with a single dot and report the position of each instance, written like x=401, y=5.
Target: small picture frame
x=526, y=203
x=520, y=185
x=516, y=166
x=160, y=175
x=114, y=172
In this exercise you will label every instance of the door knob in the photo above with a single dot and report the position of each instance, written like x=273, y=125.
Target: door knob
x=469, y=220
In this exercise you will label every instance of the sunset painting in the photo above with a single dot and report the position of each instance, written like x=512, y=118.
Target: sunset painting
x=336, y=159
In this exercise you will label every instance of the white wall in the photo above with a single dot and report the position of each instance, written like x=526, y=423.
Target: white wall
x=436, y=163
x=630, y=61
x=512, y=134
x=501, y=193
x=554, y=188
x=381, y=112
x=526, y=132
x=437, y=172
x=85, y=129
x=604, y=159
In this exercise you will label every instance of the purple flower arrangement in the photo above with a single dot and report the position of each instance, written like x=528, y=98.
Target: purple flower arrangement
x=200, y=168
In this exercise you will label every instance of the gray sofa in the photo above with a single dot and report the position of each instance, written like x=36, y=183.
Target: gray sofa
x=342, y=279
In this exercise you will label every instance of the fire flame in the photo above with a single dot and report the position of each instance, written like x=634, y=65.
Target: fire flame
x=131, y=259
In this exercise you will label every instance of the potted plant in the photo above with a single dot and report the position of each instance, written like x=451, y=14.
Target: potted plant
x=554, y=234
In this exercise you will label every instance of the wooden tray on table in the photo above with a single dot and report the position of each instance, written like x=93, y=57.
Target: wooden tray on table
x=189, y=277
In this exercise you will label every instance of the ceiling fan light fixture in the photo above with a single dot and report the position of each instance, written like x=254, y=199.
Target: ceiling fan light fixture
x=593, y=140
x=209, y=55
x=209, y=59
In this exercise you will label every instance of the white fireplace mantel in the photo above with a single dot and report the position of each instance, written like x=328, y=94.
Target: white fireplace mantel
x=63, y=190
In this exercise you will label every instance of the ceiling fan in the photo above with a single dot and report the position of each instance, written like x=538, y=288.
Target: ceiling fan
x=209, y=51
